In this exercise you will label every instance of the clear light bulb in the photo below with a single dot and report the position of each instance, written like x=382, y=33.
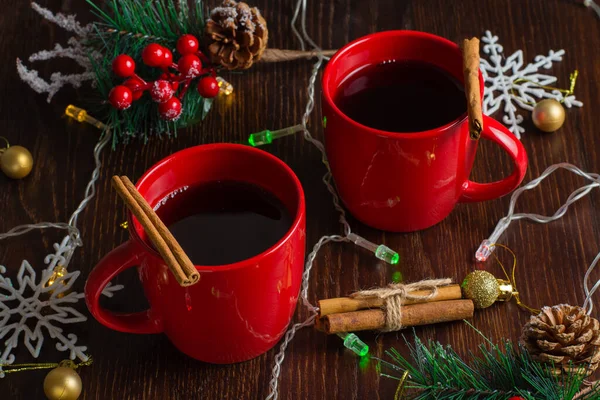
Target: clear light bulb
x=484, y=251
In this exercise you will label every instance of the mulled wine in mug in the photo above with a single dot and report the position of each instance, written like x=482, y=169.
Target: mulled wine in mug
x=239, y=214
x=396, y=131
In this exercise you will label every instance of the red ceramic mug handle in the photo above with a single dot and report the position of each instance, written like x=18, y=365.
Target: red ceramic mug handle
x=496, y=132
x=123, y=257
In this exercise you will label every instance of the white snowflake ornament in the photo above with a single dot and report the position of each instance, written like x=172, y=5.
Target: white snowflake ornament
x=33, y=308
x=41, y=307
x=509, y=82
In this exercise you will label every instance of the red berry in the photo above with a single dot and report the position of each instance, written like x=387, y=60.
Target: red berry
x=123, y=66
x=170, y=110
x=161, y=91
x=208, y=87
x=153, y=55
x=120, y=97
x=136, y=85
x=516, y=398
x=167, y=58
x=187, y=44
x=189, y=65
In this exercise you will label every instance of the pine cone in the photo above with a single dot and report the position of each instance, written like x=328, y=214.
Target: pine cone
x=237, y=35
x=565, y=337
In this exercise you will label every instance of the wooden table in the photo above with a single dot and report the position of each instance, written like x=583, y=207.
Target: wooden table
x=552, y=258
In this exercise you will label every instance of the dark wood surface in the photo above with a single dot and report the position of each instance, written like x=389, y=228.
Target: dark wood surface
x=552, y=258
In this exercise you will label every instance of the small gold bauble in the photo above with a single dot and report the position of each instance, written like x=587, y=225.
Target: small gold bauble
x=63, y=383
x=548, y=115
x=481, y=287
x=16, y=162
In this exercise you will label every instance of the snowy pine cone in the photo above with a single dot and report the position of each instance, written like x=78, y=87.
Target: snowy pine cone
x=237, y=35
x=564, y=337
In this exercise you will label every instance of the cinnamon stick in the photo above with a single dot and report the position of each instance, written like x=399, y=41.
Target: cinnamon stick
x=412, y=315
x=165, y=243
x=472, y=89
x=348, y=304
x=280, y=55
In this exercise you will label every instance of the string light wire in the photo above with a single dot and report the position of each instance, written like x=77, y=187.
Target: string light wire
x=303, y=37
x=593, y=6
x=485, y=249
x=487, y=246
x=71, y=227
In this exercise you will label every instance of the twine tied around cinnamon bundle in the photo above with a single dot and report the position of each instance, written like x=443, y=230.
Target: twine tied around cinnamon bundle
x=396, y=294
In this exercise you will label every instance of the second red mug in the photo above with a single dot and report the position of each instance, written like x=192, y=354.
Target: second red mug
x=405, y=182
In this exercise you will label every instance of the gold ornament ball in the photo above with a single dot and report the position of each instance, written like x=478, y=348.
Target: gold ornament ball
x=548, y=115
x=481, y=287
x=16, y=162
x=62, y=383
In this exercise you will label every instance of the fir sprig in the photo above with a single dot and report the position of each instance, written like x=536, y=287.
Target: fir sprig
x=498, y=373
x=126, y=27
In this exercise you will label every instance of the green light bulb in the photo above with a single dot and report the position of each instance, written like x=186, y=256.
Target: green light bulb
x=260, y=138
x=386, y=254
x=267, y=136
x=352, y=342
x=381, y=251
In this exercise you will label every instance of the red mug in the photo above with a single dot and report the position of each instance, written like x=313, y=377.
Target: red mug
x=405, y=182
x=236, y=311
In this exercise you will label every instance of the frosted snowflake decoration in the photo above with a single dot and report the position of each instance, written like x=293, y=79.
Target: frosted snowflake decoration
x=33, y=308
x=509, y=82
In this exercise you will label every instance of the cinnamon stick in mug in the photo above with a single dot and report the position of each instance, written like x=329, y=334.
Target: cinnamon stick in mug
x=412, y=315
x=167, y=246
x=470, y=50
x=348, y=304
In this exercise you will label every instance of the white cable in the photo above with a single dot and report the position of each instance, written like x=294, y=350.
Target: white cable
x=589, y=293
x=90, y=190
x=71, y=227
x=273, y=384
x=23, y=229
x=293, y=23
x=592, y=5
x=485, y=250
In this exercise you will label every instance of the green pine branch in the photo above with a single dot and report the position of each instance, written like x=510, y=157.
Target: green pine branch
x=126, y=27
x=498, y=373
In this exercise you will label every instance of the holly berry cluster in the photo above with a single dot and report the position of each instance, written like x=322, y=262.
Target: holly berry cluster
x=163, y=90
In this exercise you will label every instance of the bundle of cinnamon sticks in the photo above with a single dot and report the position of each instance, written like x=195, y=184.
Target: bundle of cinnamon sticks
x=347, y=314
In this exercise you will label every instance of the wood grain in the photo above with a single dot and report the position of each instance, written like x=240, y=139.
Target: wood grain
x=552, y=258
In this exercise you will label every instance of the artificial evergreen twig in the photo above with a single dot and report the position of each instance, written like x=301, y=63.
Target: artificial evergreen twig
x=497, y=373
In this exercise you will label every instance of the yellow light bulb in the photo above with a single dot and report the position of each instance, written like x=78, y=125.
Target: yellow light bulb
x=224, y=87
x=81, y=115
x=76, y=113
x=58, y=272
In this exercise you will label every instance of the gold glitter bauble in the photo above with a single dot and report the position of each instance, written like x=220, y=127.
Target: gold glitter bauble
x=16, y=162
x=481, y=287
x=548, y=115
x=63, y=383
